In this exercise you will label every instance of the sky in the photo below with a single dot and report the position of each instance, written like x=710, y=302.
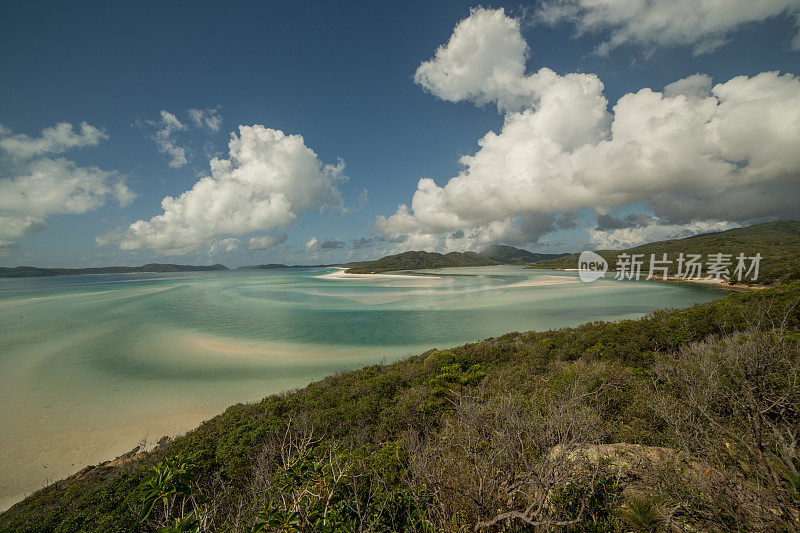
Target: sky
x=247, y=133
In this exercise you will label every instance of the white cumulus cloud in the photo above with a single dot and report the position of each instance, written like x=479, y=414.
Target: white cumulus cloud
x=37, y=187
x=702, y=24
x=697, y=85
x=53, y=140
x=170, y=133
x=484, y=61
x=164, y=138
x=226, y=245
x=52, y=187
x=633, y=236
x=267, y=181
x=694, y=152
x=263, y=242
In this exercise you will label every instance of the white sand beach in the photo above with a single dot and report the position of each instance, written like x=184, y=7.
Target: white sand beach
x=340, y=273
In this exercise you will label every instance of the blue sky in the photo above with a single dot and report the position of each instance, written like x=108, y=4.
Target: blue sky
x=342, y=75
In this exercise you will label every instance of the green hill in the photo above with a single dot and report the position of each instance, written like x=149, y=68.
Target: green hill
x=495, y=254
x=777, y=242
x=601, y=427
x=415, y=260
x=28, y=272
x=270, y=266
x=510, y=254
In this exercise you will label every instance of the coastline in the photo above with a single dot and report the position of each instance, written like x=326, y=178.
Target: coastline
x=705, y=282
x=717, y=283
x=340, y=273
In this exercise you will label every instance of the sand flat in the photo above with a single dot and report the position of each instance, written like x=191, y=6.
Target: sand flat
x=340, y=273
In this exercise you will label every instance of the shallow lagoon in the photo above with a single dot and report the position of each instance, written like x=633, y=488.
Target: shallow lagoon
x=90, y=365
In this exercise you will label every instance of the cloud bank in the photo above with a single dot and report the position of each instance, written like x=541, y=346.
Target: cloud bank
x=629, y=236
x=693, y=152
x=267, y=181
x=43, y=186
x=702, y=24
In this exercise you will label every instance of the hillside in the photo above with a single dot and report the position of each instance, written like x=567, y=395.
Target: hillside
x=270, y=266
x=512, y=255
x=414, y=260
x=495, y=254
x=28, y=272
x=601, y=427
x=777, y=242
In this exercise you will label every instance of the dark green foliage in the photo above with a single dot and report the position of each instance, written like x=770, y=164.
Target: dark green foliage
x=185, y=524
x=641, y=513
x=166, y=480
x=449, y=384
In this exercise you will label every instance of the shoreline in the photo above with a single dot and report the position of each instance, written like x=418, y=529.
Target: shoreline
x=340, y=273
x=703, y=282
x=717, y=283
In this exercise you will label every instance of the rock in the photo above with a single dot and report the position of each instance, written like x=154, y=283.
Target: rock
x=125, y=458
x=633, y=464
x=80, y=474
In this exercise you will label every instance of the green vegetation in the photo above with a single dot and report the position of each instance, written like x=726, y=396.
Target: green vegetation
x=29, y=272
x=680, y=420
x=417, y=260
x=511, y=255
x=270, y=266
x=414, y=260
x=777, y=242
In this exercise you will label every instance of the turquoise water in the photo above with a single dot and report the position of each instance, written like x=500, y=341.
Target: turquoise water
x=89, y=365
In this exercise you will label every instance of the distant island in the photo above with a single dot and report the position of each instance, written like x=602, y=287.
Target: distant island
x=31, y=272
x=275, y=266
x=415, y=260
x=270, y=266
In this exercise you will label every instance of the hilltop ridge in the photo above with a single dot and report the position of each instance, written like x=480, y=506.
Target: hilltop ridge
x=415, y=259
